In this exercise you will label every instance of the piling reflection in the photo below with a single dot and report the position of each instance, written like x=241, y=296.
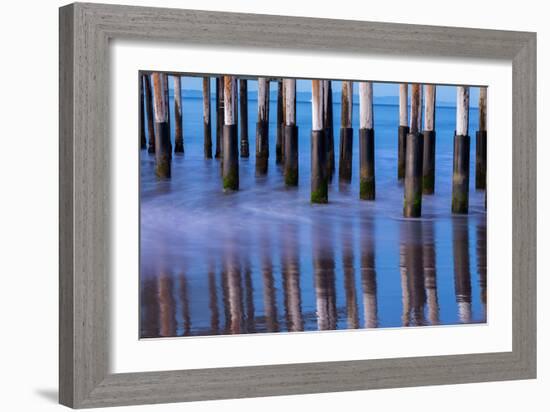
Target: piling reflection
x=270, y=299
x=234, y=292
x=348, y=264
x=323, y=270
x=185, y=310
x=430, y=274
x=461, y=260
x=241, y=290
x=412, y=273
x=368, y=274
x=481, y=249
x=290, y=267
x=213, y=301
x=167, y=308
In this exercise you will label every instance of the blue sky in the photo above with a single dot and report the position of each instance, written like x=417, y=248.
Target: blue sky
x=444, y=93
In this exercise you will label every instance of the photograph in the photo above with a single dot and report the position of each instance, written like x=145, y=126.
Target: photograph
x=271, y=205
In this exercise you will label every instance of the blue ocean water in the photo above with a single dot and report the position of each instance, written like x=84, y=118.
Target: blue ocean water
x=265, y=260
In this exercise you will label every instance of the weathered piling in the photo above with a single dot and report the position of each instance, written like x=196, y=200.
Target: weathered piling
x=219, y=116
x=461, y=155
x=403, y=129
x=206, y=117
x=481, y=141
x=280, y=124
x=142, y=138
x=230, y=167
x=178, y=140
x=163, y=146
x=319, y=178
x=284, y=122
x=150, y=115
x=412, y=205
x=167, y=99
x=367, y=187
x=346, y=132
x=243, y=102
x=262, y=127
x=290, y=134
x=428, y=162
x=328, y=121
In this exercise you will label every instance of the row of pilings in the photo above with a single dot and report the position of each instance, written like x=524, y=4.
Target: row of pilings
x=416, y=164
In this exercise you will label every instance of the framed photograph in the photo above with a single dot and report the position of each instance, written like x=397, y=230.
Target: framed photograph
x=257, y=205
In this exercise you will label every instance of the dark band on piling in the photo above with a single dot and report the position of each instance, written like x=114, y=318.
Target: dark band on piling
x=346, y=151
x=412, y=204
x=319, y=173
x=402, y=133
x=481, y=159
x=230, y=158
x=163, y=150
x=291, y=155
x=243, y=103
x=262, y=147
x=461, y=174
x=428, y=163
x=367, y=188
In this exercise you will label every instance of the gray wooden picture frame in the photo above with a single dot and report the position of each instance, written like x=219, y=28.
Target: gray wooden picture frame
x=85, y=31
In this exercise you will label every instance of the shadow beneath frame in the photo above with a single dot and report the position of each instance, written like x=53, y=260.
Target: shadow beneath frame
x=51, y=395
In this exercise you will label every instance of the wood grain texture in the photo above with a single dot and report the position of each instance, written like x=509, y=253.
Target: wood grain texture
x=85, y=31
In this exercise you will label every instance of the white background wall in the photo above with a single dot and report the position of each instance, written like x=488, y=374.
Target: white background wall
x=29, y=192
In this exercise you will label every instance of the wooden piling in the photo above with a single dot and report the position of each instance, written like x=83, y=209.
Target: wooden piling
x=219, y=116
x=167, y=99
x=346, y=132
x=329, y=127
x=262, y=127
x=412, y=205
x=163, y=146
x=230, y=166
x=150, y=115
x=403, y=129
x=367, y=187
x=280, y=124
x=206, y=117
x=142, y=138
x=290, y=134
x=178, y=140
x=243, y=102
x=428, y=162
x=481, y=142
x=319, y=174
x=461, y=155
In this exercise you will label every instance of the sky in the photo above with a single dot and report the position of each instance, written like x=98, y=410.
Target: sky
x=446, y=94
